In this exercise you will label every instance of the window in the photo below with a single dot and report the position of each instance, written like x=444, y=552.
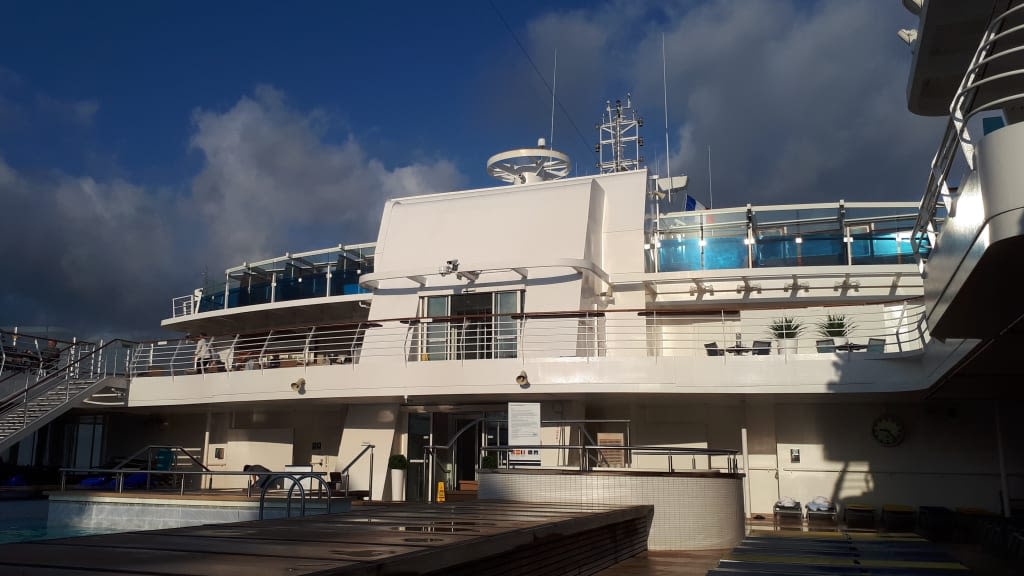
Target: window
x=471, y=326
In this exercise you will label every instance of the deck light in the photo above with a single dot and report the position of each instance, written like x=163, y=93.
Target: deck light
x=799, y=240
x=523, y=379
x=907, y=35
x=299, y=386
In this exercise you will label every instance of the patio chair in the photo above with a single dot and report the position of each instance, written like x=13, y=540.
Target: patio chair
x=825, y=345
x=762, y=347
x=876, y=345
x=713, y=349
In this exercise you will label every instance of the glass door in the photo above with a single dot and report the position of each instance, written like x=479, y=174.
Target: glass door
x=416, y=477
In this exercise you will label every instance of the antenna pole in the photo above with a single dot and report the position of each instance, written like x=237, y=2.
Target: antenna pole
x=711, y=196
x=664, y=85
x=554, y=85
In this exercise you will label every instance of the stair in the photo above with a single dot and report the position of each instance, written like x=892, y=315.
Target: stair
x=101, y=371
x=21, y=419
x=467, y=491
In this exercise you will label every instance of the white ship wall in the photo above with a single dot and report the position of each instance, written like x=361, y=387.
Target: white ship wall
x=980, y=240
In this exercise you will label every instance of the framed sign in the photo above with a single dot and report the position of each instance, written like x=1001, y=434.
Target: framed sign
x=524, y=430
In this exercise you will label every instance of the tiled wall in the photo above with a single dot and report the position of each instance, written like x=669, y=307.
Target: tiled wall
x=690, y=513
x=152, y=515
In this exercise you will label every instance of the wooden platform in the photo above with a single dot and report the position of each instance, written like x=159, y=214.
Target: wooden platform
x=478, y=538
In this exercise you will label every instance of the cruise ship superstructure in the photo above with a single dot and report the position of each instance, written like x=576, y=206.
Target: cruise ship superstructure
x=854, y=350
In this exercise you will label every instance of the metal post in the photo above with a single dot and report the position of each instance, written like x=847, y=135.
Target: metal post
x=1002, y=464
x=371, y=472
x=746, y=471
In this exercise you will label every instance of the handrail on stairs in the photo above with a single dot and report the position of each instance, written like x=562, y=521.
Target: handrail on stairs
x=148, y=450
x=98, y=368
x=961, y=109
x=344, y=471
x=39, y=402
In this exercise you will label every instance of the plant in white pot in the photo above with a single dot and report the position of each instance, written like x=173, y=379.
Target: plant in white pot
x=786, y=330
x=836, y=326
x=397, y=464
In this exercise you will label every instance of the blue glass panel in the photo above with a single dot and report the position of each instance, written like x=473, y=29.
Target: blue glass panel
x=211, y=302
x=774, y=251
x=822, y=250
x=679, y=254
x=814, y=250
x=722, y=253
x=298, y=288
x=882, y=248
x=255, y=294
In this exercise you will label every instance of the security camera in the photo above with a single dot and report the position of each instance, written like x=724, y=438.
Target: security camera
x=522, y=379
x=453, y=264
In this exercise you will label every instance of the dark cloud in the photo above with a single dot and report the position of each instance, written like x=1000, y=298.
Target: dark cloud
x=799, y=101
x=105, y=257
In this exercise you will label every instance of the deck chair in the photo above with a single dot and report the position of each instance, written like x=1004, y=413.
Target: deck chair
x=826, y=345
x=713, y=349
x=876, y=345
x=762, y=347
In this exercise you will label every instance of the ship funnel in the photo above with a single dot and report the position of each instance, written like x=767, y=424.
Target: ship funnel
x=529, y=165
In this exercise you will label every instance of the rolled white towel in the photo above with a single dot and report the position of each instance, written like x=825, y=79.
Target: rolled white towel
x=820, y=503
x=786, y=502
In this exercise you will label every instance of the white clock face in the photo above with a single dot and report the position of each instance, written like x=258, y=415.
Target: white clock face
x=888, y=431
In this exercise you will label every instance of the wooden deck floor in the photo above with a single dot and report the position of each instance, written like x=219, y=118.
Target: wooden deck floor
x=407, y=539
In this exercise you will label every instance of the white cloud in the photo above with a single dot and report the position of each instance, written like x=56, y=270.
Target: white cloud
x=107, y=256
x=271, y=178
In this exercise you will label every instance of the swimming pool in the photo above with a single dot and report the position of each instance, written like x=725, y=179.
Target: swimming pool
x=25, y=520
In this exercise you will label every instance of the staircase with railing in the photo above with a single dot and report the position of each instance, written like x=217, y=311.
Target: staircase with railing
x=982, y=230
x=95, y=369
x=963, y=108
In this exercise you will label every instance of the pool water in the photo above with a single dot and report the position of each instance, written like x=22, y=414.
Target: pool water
x=25, y=520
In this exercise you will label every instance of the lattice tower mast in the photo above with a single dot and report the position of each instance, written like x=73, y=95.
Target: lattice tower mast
x=619, y=137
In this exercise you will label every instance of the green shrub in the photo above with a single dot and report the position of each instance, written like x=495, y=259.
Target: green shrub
x=397, y=462
x=785, y=327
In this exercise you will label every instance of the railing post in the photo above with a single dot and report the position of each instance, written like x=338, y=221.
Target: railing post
x=371, y=472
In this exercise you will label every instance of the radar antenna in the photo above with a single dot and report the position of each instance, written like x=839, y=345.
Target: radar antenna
x=528, y=165
x=620, y=140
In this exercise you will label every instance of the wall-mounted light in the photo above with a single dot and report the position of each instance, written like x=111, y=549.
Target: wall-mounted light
x=907, y=35
x=523, y=379
x=914, y=6
x=299, y=386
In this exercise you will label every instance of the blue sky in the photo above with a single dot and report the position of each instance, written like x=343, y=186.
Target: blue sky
x=143, y=143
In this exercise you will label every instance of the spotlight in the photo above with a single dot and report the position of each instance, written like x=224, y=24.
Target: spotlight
x=523, y=379
x=907, y=35
x=299, y=386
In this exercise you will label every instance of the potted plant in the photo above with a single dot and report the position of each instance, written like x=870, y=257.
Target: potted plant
x=397, y=463
x=489, y=462
x=837, y=327
x=786, y=330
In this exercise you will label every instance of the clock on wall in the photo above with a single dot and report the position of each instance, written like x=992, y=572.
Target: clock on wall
x=888, y=430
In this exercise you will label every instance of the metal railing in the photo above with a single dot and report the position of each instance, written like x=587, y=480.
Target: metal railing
x=893, y=327
x=344, y=471
x=59, y=387
x=963, y=108
x=33, y=357
x=118, y=476
x=333, y=271
x=587, y=456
